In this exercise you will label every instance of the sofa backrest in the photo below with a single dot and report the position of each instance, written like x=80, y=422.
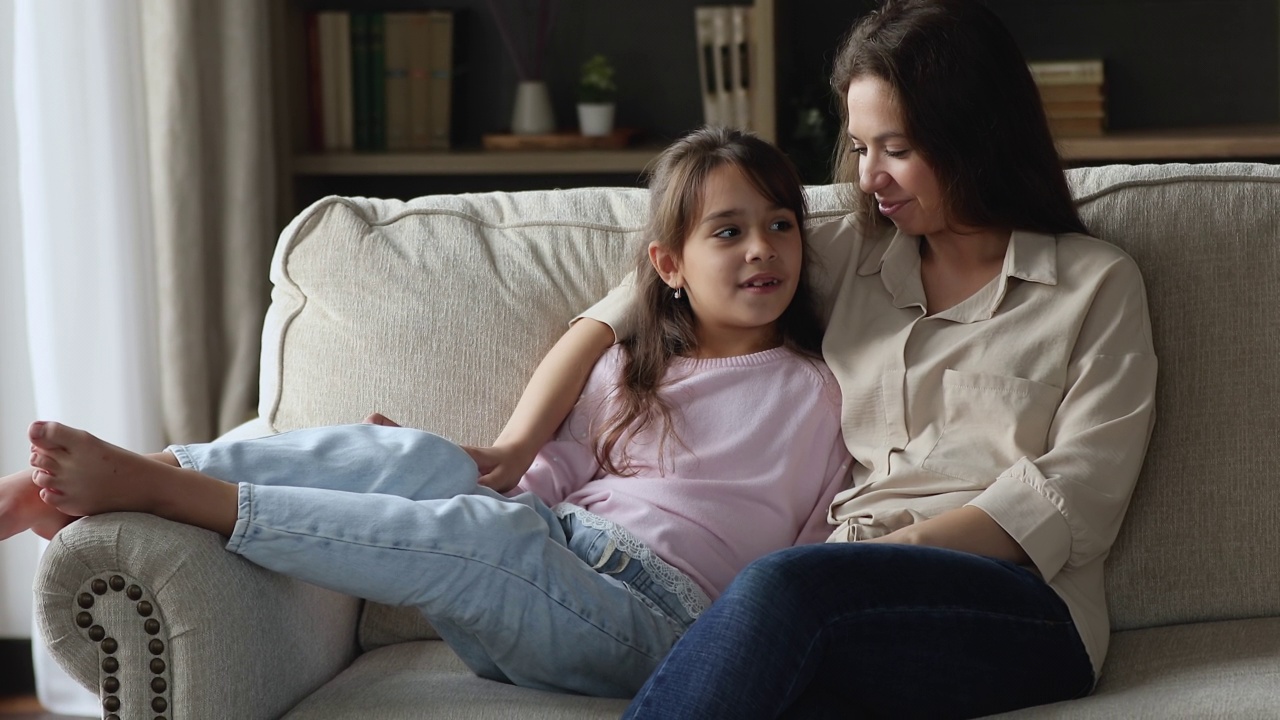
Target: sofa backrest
x=435, y=312
x=1202, y=537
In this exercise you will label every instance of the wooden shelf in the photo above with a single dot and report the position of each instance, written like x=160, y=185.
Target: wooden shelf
x=477, y=162
x=1206, y=144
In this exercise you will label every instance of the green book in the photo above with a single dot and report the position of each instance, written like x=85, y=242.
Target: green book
x=360, y=79
x=377, y=82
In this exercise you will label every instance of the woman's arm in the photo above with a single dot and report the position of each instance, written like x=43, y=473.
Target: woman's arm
x=967, y=529
x=548, y=397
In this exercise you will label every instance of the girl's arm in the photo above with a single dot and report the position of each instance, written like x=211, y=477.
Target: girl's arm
x=548, y=397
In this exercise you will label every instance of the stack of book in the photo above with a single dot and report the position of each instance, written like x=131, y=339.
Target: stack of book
x=380, y=81
x=725, y=54
x=1074, y=96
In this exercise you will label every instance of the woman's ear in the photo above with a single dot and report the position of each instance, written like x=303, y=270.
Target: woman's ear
x=667, y=265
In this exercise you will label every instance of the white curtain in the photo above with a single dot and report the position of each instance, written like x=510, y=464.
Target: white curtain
x=82, y=228
x=137, y=217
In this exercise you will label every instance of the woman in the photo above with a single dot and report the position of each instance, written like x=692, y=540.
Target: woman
x=998, y=379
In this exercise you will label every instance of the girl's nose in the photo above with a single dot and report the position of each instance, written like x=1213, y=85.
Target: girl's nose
x=760, y=249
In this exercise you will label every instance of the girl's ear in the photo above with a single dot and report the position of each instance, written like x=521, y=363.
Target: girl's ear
x=667, y=265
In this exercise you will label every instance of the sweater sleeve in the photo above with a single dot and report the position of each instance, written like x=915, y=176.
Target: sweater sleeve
x=1065, y=507
x=568, y=462
x=818, y=528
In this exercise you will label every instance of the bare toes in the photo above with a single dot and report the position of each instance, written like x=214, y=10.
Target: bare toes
x=43, y=479
x=47, y=463
x=56, y=436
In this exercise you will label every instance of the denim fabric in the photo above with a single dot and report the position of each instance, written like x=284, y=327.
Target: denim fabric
x=872, y=630
x=395, y=515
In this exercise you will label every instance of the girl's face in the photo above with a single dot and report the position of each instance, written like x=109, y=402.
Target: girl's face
x=739, y=268
x=904, y=185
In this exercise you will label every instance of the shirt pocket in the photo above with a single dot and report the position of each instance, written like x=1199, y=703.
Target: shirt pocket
x=990, y=421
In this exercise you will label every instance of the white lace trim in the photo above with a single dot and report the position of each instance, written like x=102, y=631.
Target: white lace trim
x=694, y=600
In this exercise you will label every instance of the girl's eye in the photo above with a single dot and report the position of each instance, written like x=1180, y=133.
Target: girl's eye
x=781, y=225
x=728, y=232
x=896, y=153
x=858, y=150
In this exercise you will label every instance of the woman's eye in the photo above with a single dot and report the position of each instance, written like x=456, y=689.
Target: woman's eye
x=857, y=150
x=896, y=153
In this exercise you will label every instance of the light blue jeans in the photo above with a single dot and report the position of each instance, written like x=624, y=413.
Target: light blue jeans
x=524, y=594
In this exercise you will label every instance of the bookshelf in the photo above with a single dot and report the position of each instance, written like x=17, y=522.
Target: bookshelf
x=306, y=175
x=303, y=171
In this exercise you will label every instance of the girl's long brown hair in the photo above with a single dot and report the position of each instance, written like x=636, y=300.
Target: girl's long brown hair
x=665, y=326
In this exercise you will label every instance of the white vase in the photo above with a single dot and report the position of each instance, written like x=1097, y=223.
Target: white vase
x=595, y=119
x=532, y=112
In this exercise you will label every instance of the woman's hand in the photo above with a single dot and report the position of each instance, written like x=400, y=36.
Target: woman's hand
x=501, y=466
x=967, y=529
x=380, y=419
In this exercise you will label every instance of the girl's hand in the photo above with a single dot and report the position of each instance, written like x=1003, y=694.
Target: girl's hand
x=501, y=467
x=380, y=419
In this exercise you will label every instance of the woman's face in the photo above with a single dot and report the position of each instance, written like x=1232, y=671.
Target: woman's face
x=904, y=185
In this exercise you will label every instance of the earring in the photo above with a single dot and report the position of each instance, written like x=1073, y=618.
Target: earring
x=677, y=293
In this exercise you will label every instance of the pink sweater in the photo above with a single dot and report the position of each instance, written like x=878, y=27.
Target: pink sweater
x=758, y=459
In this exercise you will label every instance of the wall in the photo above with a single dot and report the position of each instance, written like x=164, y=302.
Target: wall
x=1169, y=63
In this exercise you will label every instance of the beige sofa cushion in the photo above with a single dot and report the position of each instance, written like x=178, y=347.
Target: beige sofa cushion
x=1201, y=539
x=436, y=311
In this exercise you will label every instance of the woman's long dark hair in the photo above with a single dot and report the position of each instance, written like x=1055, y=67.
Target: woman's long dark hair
x=970, y=107
x=665, y=326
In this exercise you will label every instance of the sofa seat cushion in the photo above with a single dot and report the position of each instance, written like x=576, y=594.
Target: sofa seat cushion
x=425, y=679
x=1227, y=669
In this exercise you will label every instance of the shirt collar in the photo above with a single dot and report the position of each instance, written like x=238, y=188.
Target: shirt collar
x=1031, y=256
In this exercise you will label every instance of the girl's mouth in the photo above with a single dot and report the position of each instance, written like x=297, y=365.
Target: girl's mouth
x=761, y=284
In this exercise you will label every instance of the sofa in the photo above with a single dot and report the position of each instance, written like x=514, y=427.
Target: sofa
x=436, y=310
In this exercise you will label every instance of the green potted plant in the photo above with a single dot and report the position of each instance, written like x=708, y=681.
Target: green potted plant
x=597, y=94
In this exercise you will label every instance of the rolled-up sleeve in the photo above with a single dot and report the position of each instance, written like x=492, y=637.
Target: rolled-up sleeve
x=1065, y=507
x=616, y=309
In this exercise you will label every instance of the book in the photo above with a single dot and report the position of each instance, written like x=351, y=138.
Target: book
x=1075, y=108
x=342, y=85
x=333, y=38
x=1071, y=92
x=1077, y=126
x=315, y=85
x=377, y=72
x=1067, y=72
x=419, y=81
x=740, y=66
x=702, y=20
x=720, y=32
x=359, y=28
x=396, y=80
x=439, y=78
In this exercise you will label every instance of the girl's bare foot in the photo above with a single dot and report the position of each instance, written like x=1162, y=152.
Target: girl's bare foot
x=380, y=419
x=21, y=508
x=80, y=474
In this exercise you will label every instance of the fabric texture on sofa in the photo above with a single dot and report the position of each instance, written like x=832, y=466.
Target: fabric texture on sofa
x=436, y=310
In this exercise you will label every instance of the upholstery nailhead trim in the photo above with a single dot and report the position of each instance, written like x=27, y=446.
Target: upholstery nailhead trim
x=97, y=634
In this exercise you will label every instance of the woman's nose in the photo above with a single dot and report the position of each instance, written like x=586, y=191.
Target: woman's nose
x=871, y=177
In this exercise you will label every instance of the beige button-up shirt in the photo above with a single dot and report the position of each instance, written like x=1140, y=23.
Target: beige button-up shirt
x=1033, y=399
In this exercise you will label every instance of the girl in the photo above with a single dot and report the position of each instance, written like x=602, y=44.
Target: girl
x=998, y=380
x=628, y=524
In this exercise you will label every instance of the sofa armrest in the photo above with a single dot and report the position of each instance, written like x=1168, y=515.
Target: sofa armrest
x=158, y=618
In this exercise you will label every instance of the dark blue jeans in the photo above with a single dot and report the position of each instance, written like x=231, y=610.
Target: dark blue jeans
x=872, y=630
